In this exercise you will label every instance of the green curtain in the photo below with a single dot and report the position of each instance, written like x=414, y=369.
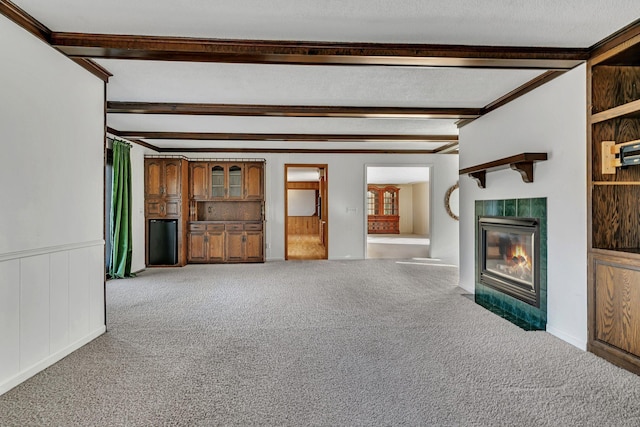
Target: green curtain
x=120, y=217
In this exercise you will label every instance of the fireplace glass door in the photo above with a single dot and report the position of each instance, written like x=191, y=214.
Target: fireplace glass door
x=508, y=251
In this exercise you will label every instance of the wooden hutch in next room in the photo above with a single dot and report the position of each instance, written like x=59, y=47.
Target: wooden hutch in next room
x=382, y=209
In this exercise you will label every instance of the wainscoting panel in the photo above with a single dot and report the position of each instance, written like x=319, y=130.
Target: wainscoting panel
x=96, y=286
x=79, y=294
x=51, y=303
x=59, y=269
x=34, y=309
x=9, y=319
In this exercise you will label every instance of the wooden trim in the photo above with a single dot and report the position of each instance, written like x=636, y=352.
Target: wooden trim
x=313, y=53
x=292, y=150
x=522, y=90
x=38, y=29
x=322, y=188
x=299, y=137
x=120, y=107
x=304, y=185
x=625, y=110
x=522, y=163
x=447, y=148
x=135, y=141
x=94, y=68
x=616, y=183
x=24, y=20
x=605, y=48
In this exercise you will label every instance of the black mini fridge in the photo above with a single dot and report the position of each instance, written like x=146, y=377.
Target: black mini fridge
x=163, y=242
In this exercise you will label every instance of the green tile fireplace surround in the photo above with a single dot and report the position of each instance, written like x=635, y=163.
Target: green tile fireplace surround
x=518, y=312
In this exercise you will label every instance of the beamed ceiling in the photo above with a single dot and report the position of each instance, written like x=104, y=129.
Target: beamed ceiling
x=309, y=76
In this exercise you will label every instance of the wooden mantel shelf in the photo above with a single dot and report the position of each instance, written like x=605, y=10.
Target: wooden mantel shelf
x=522, y=163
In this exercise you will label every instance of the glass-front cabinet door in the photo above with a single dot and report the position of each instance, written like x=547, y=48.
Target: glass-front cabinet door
x=372, y=202
x=217, y=182
x=390, y=205
x=235, y=182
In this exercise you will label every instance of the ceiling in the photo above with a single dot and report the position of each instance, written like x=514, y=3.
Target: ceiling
x=332, y=76
x=397, y=174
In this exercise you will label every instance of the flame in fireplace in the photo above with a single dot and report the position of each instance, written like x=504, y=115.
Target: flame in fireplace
x=521, y=253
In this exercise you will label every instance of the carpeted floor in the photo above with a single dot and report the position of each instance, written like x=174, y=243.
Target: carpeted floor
x=323, y=343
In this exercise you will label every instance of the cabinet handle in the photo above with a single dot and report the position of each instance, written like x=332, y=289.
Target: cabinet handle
x=244, y=238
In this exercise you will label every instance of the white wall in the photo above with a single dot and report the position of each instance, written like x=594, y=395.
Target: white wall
x=51, y=233
x=405, y=208
x=550, y=119
x=347, y=191
x=421, y=208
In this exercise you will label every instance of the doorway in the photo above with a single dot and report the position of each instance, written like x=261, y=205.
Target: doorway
x=306, y=210
x=398, y=212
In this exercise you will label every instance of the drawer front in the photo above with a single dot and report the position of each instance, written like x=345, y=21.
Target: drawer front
x=215, y=227
x=234, y=227
x=197, y=227
x=253, y=226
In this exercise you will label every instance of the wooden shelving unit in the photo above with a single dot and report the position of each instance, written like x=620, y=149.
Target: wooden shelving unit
x=522, y=163
x=613, y=79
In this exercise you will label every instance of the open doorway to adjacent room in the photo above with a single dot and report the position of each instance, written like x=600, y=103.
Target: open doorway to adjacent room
x=398, y=212
x=306, y=211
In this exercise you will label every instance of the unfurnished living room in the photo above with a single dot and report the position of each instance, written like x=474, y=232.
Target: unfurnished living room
x=160, y=265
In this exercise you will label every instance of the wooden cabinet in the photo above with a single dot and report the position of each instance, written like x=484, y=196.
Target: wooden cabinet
x=613, y=76
x=226, y=181
x=198, y=180
x=254, y=181
x=206, y=243
x=163, y=178
x=382, y=209
x=164, y=184
x=225, y=242
x=163, y=208
x=225, y=207
x=165, y=187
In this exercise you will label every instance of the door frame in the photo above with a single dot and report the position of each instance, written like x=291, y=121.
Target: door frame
x=428, y=166
x=324, y=204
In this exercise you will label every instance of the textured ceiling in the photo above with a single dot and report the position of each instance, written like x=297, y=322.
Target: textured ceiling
x=565, y=23
x=535, y=23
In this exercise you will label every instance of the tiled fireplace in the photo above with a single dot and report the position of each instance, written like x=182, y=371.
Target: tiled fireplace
x=511, y=260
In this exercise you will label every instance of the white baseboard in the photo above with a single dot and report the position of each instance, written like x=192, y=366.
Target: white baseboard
x=581, y=344
x=45, y=363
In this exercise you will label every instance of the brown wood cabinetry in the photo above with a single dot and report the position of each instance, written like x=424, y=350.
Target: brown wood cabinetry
x=226, y=181
x=206, y=243
x=163, y=178
x=226, y=211
x=225, y=242
x=165, y=186
x=614, y=233
x=225, y=207
x=163, y=208
x=382, y=209
x=254, y=181
x=198, y=180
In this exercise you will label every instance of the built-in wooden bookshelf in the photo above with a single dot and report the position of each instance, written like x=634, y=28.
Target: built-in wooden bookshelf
x=613, y=80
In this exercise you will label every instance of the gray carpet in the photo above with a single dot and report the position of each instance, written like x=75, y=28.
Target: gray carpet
x=324, y=343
